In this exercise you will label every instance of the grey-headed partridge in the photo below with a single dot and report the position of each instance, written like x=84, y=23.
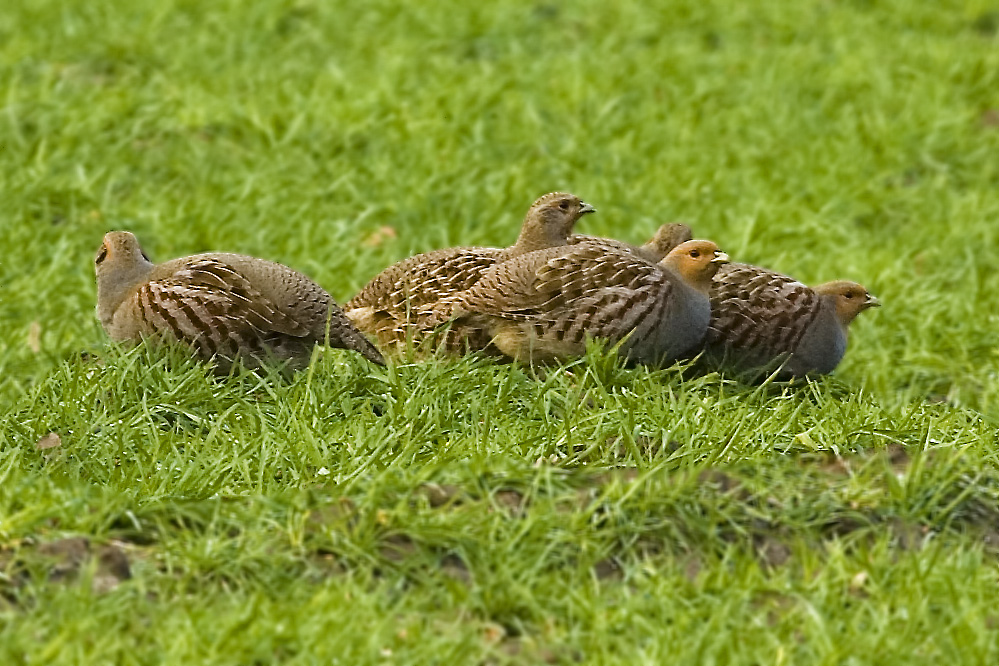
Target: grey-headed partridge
x=544, y=305
x=761, y=318
x=222, y=305
x=396, y=305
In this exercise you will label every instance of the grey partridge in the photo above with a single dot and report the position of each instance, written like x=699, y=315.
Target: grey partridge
x=761, y=318
x=544, y=305
x=395, y=306
x=222, y=305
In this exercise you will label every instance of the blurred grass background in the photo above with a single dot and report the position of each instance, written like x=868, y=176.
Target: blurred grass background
x=827, y=139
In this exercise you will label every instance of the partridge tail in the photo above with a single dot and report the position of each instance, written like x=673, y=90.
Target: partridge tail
x=344, y=335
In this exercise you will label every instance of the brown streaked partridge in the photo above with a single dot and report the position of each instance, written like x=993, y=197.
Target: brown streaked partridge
x=222, y=305
x=761, y=318
x=396, y=305
x=544, y=305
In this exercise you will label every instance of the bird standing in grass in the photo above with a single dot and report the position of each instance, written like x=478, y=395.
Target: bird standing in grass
x=396, y=305
x=222, y=305
x=761, y=318
x=544, y=305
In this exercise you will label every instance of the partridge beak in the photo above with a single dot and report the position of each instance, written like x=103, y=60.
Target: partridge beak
x=720, y=258
x=872, y=301
x=586, y=208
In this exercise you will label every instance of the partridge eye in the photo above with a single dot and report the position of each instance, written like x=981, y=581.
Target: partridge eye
x=564, y=205
x=848, y=294
x=102, y=255
x=694, y=254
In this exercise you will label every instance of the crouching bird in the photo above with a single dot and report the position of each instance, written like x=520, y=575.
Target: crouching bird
x=761, y=319
x=224, y=306
x=396, y=306
x=543, y=306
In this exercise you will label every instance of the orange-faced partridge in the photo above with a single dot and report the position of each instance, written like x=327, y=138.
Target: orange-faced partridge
x=761, y=318
x=396, y=305
x=544, y=305
x=222, y=305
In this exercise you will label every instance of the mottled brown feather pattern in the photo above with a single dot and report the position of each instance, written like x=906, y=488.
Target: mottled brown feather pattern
x=396, y=306
x=545, y=305
x=756, y=309
x=222, y=305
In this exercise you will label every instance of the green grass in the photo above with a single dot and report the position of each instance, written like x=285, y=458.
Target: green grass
x=466, y=512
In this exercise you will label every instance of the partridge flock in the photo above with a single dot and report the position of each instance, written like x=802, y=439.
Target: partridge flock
x=539, y=300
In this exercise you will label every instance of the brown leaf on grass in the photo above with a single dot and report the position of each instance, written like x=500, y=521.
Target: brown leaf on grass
x=379, y=236
x=35, y=337
x=49, y=441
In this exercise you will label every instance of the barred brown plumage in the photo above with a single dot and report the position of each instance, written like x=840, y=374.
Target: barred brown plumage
x=396, y=305
x=544, y=305
x=761, y=318
x=223, y=305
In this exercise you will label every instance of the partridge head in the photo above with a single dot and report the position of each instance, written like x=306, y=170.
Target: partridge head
x=850, y=299
x=121, y=265
x=667, y=237
x=697, y=262
x=549, y=222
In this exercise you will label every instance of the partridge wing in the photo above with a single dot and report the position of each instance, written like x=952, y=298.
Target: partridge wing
x=215, y=308
x=754, y=308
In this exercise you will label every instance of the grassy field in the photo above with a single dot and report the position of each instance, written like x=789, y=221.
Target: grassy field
x=466, y=512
